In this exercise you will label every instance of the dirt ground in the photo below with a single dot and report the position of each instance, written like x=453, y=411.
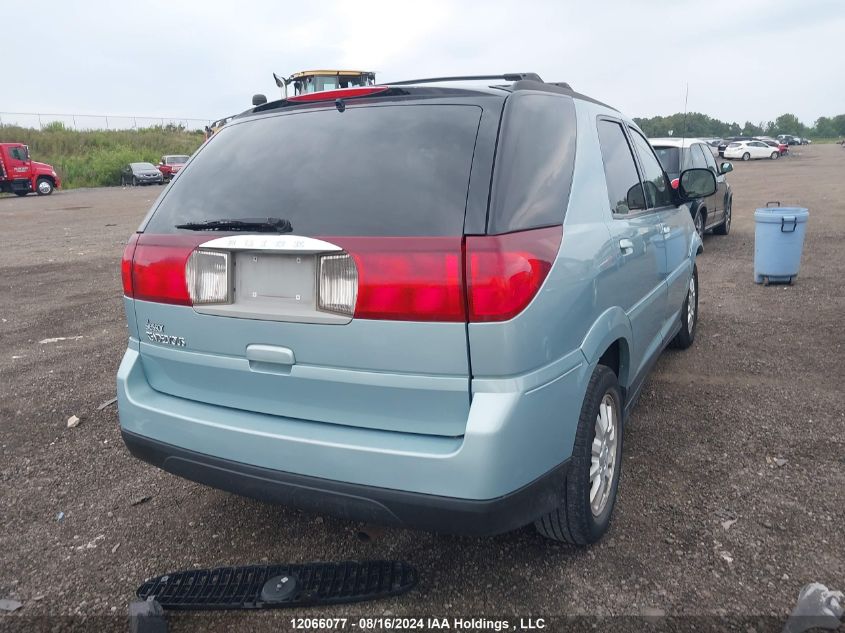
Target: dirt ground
x=708, y=524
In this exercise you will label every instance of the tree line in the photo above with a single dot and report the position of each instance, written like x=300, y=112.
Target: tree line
x=701, y=125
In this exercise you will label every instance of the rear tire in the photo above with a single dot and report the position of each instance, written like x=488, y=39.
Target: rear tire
x=725, y=227
x=583, y=518
x=689, y=317
x=746, y=156
x=775, y=155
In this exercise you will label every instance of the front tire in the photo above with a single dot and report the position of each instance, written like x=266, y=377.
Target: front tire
x=593, y=478
x=689, y=314
x=134, y=181
x=746, y=156
x=44, y=187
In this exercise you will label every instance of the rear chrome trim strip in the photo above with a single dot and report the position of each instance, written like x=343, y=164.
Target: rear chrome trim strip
x=265, y=242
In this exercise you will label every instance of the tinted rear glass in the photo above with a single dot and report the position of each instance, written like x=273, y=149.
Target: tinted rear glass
x=534, y=163
x=669, y=157
x=377, y=170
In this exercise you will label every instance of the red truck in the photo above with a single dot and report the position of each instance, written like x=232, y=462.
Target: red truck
x=21, y=175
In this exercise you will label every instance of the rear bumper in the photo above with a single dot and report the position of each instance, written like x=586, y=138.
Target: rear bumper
x=505, y=470
x=356, y=502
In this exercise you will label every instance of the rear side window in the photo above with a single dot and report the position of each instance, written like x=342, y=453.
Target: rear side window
x=669, y=157
x=697, y=159
x=620, y=170
x=368, y=171
x=657, y=191
x=534, y=163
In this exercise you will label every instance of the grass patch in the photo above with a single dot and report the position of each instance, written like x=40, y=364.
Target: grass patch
x=93, y=158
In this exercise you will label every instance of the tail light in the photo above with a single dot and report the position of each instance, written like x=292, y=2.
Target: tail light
x=487, y=278
x=157, y=268
x=675, y=182
x=506, y=271
x=407, y=279
x=126, y=264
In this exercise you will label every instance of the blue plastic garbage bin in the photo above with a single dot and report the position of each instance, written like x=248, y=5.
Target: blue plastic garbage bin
x=778, y=242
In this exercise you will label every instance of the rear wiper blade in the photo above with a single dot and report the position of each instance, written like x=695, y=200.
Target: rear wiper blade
x=260, y=225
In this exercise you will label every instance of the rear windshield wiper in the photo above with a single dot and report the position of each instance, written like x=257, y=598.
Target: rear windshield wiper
x=261, y=225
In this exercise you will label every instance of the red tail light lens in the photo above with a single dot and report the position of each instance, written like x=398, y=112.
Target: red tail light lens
x=675, y=183
x=506, y=271
x=126, y=264
x=343, y=93
x=158, y=267
x=407, y=278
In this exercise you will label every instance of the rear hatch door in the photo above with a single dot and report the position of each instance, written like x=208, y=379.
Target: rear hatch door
x=374, y=194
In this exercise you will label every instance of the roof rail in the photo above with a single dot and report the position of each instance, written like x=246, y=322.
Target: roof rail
x=505, y=76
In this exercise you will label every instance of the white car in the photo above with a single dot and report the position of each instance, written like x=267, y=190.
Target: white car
x=746, y=150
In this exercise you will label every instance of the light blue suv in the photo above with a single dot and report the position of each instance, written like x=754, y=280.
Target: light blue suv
x=428, y=305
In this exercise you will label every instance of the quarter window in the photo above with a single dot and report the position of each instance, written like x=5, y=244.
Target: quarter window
x=657, y=190
x=697, y=157
x=624, y=189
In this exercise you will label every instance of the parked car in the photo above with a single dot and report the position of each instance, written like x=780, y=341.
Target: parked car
x=676, y=155
x=140, y=174
x=21, y=175
x=747, y=150
x=733, y=139
x=713, y=144
x=170, y=165
x=789, y=139
x=295, y=338
x=782, y=147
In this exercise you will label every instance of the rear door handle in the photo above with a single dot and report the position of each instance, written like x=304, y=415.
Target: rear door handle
x=270, y=359
x=626, y=246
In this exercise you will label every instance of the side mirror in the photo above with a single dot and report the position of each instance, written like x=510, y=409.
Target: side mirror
x=725, y=168
x=258, y=100
x=696, y=183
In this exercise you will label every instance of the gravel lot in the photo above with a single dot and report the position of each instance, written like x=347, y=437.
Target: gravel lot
x=762, y=382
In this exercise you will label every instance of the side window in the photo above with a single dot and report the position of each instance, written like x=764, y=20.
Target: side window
x=17, y=153
x=698, y=161
x=657, y=190
x=708, y=159
x=624, y=189
x=534, y=163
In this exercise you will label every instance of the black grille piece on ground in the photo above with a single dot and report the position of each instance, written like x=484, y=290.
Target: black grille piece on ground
x=267, y=586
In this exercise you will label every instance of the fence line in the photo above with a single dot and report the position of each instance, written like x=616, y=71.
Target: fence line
x=97, y=121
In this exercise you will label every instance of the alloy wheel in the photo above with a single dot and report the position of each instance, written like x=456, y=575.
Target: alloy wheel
x=603, y=455
x=691, y=304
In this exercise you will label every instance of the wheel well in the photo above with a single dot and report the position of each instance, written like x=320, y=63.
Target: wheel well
x=46, y=177
x=616, y=358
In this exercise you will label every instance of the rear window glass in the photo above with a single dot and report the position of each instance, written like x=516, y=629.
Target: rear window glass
x=534, y=163
x=377, y=170
x=669, y=158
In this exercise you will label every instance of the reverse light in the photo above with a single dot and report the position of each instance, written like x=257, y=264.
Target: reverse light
x=338, y=284
x=207, y=277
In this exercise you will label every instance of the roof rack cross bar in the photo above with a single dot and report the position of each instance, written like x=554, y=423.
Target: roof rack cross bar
x=505, y=76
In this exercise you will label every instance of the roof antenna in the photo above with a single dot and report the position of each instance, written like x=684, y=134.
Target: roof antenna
x=684, y=135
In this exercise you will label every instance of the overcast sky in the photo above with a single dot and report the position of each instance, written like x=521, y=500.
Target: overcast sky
x=743, y=59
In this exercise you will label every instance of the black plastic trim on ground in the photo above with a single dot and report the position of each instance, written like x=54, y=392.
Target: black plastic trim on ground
x=315, y=584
